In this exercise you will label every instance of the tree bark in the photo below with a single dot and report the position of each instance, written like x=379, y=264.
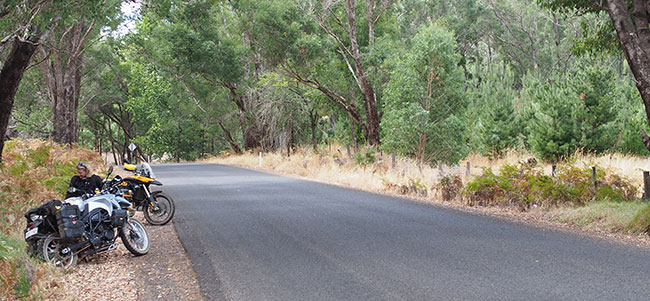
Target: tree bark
x=250, y=131
x=634, y=35
x=229, y=138
x=369, y=96
x=178, y=140
x=313, y=117
x=10, y=77
x=63, y=78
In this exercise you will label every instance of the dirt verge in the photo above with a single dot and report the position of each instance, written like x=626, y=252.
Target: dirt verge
x=165, y=273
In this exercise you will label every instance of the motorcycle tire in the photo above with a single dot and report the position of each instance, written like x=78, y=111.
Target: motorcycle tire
x=49, y=246
x=135, y=237
x=161, y=214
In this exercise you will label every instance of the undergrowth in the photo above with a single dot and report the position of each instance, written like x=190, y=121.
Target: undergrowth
x=32, y=172
x=527, y=186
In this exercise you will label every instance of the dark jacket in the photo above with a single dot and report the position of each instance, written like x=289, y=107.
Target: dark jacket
x=84, y=185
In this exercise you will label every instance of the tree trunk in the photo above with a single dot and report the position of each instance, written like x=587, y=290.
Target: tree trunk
x=250, y=132
x=10, y=77
x=314, y=123
x=369, y=96
x=353, y=134
x=634, y=35
x=63, y=78
x=228, y=137
x=178, y=141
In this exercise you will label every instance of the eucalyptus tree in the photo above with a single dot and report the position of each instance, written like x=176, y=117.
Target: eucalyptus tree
x=320, y=45
x=104, y=96
x=62, y=61
x=24, y=25
x=199, y=51
x=27, y=26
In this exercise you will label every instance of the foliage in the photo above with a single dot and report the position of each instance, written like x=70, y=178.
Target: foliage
x=527, y=186
x=422, y=98
x=365, y=157
x=194, y=78
x=554, y=129
x=498, y=125
x=450, y=187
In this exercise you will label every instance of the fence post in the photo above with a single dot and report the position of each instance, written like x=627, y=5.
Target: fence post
x=646, y=185
x=553, y=168
x=593, y=175
x=260, y=159
x=392, y=155
x=467, y=172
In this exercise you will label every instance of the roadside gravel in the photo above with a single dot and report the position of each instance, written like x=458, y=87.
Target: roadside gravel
x=165, y=273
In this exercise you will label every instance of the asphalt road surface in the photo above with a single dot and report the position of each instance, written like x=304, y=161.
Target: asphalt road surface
x=257, y=236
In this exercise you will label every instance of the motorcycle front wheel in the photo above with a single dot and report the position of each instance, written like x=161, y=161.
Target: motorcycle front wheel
x=135, y=237
x=49, y=250
x=162, y=212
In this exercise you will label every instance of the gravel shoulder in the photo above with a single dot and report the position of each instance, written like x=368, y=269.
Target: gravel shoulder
x=165, y=273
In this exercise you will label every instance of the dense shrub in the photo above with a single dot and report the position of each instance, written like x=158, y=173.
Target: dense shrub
x=365, y=157
x=450, y=187
x=527, y=186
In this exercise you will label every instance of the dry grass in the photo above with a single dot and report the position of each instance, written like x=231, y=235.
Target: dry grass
x=333, y=165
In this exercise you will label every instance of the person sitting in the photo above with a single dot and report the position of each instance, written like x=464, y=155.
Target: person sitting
x=83, y=182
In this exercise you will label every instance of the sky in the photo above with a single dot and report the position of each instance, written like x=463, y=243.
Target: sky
x=131, y=10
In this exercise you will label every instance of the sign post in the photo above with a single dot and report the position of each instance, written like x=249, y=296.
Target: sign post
x=132, y=148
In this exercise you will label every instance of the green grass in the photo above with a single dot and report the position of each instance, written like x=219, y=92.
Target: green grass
x=615, y=217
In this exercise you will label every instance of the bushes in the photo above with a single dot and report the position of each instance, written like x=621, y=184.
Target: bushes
x=528, y=186
x=449, y=187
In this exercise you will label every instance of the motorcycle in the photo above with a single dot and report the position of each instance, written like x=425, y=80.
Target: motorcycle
x=158, y=207
x=41, y=222
x=84, y=226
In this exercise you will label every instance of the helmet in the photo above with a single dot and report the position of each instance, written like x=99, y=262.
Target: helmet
x=83, y=165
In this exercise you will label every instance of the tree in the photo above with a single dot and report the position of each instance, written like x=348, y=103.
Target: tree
x=62, y=64
x=201, y=52
x=595, y=82
x=631, y=21
x=320, y=45
x=24, y=27
x=554, y=128
x=424, y=97
x=499, y=126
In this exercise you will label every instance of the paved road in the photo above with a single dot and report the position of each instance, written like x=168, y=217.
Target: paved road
x=256, y=236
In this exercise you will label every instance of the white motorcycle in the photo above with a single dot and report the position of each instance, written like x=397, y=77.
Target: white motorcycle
x=91, y=225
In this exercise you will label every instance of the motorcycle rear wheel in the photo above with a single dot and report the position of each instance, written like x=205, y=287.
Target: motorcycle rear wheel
x=162, y=213
x=135, y=237
x=49, y=250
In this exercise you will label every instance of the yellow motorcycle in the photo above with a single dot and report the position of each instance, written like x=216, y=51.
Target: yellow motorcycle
x=158, y=207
